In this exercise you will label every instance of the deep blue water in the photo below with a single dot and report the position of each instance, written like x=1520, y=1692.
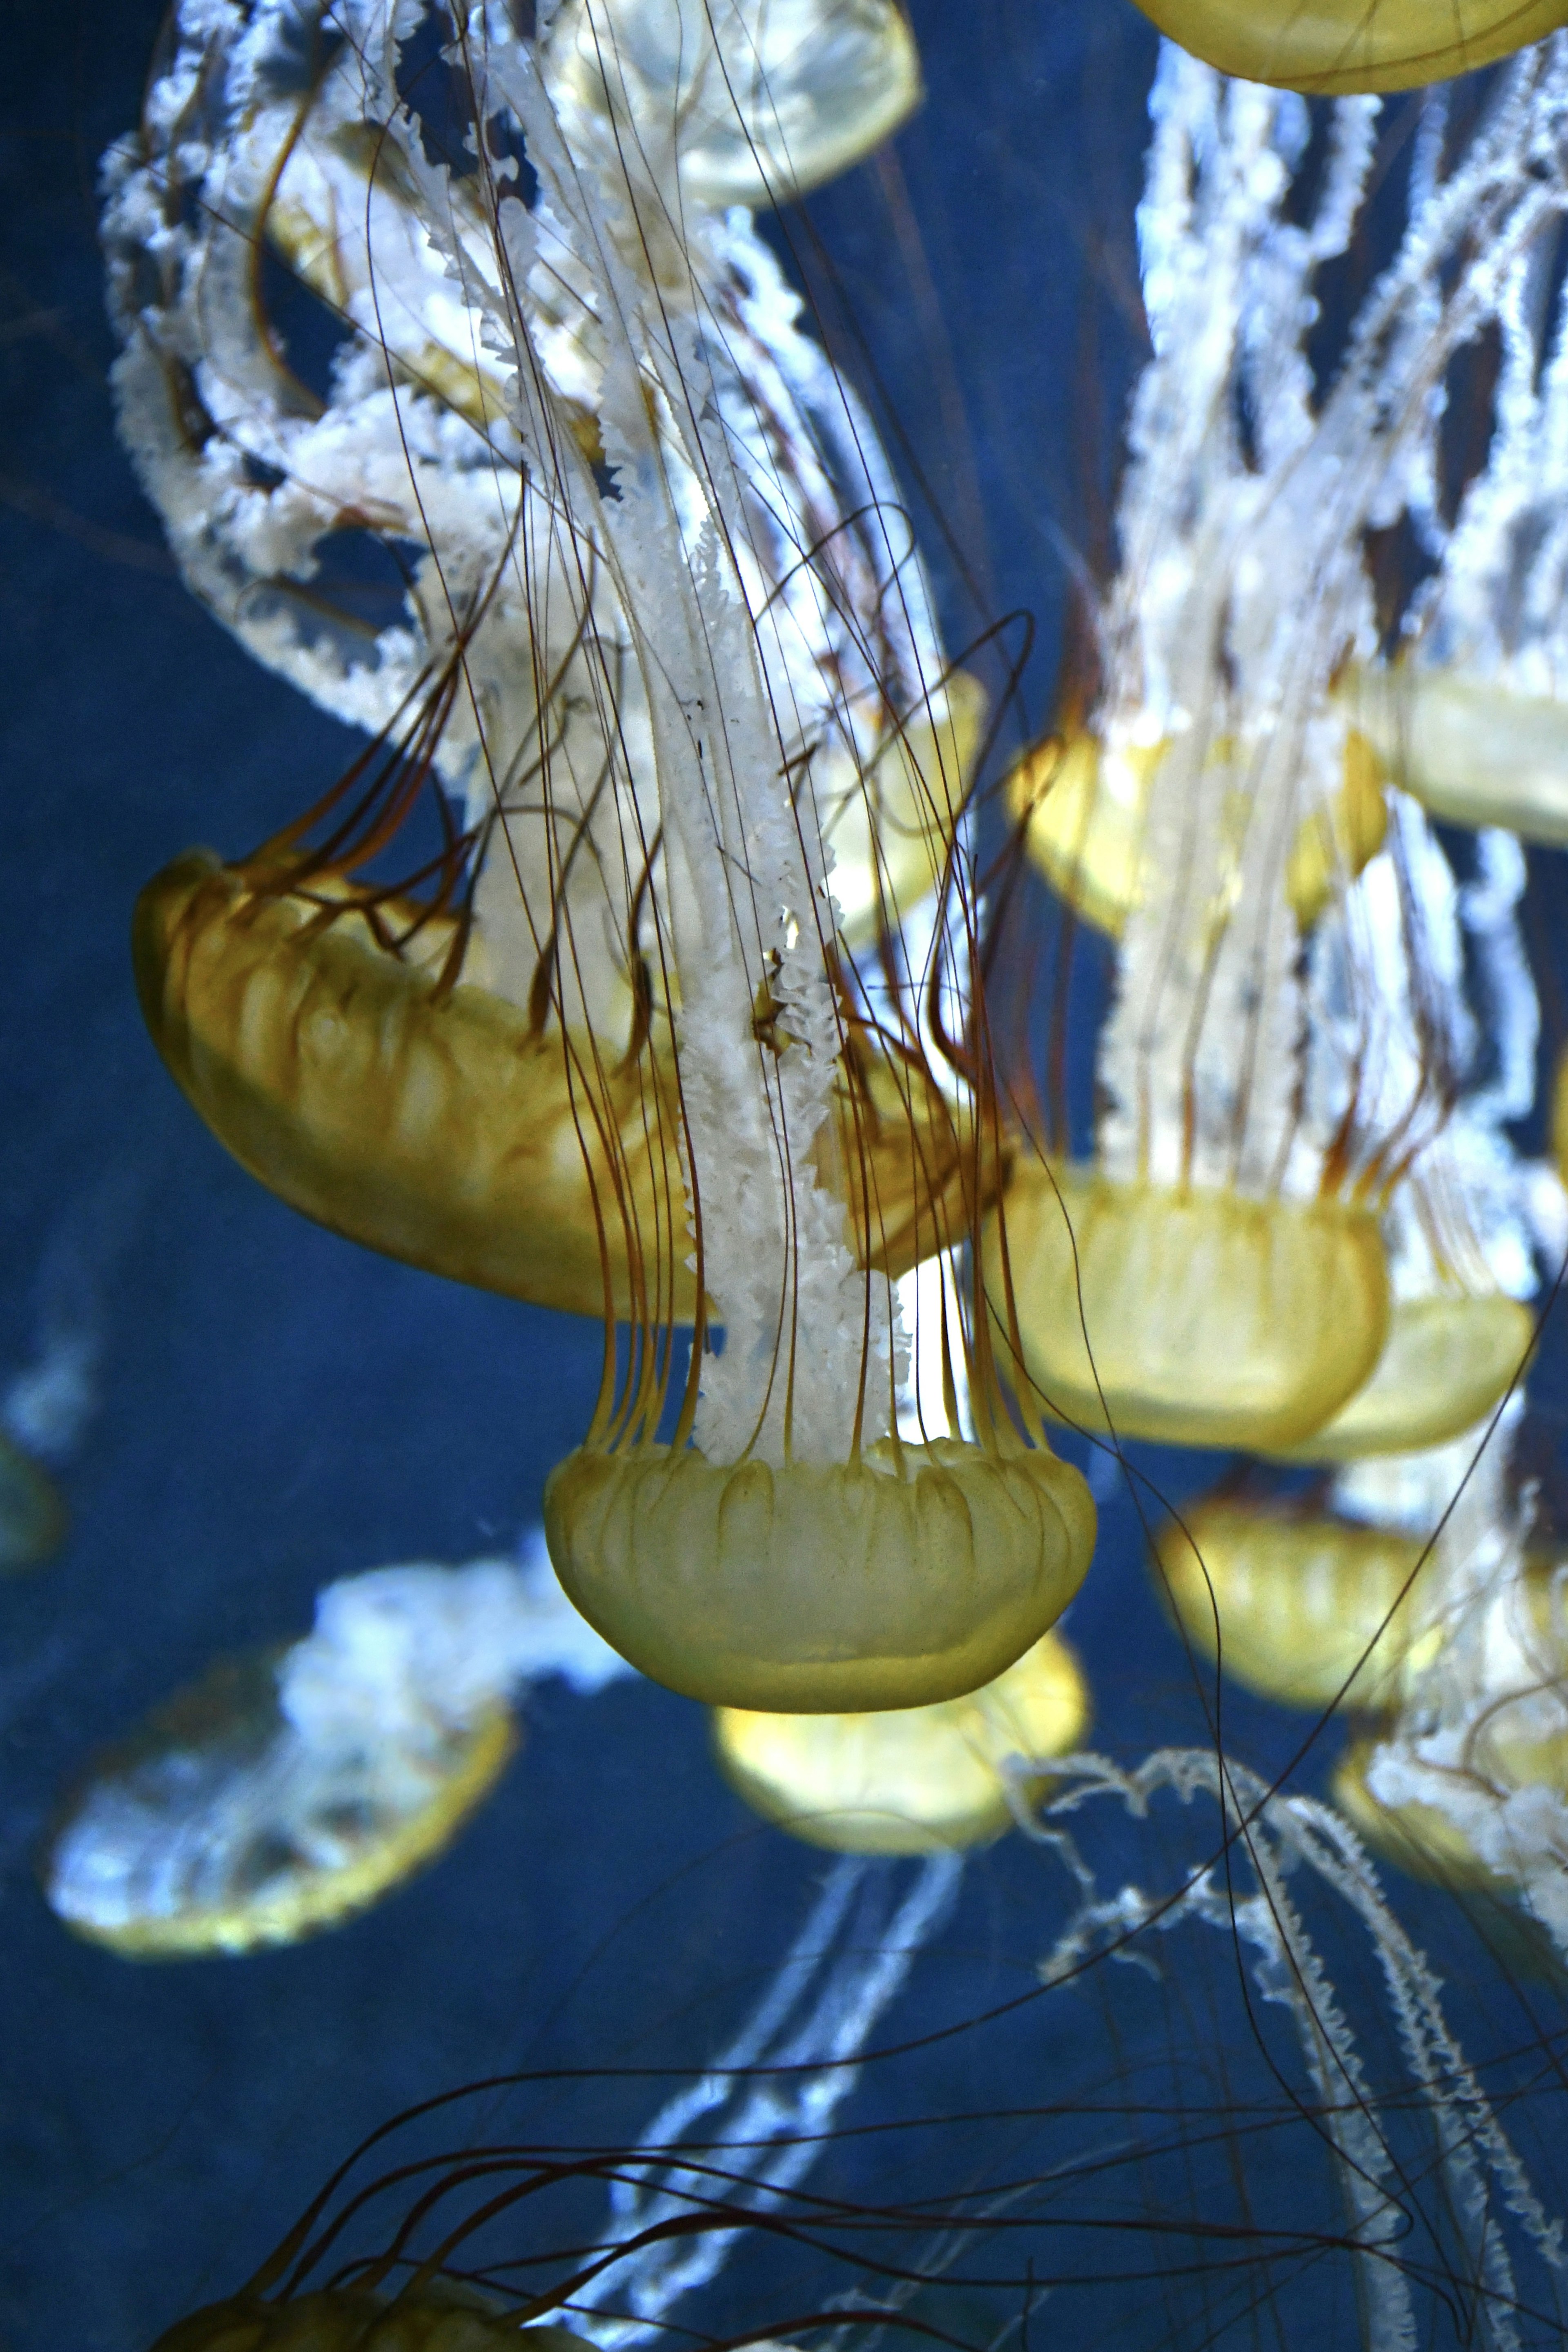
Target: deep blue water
x=277, y=1407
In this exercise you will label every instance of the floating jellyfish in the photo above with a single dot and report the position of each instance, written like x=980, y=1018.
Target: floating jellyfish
x=286, y=1791
x=1301, y=1607
x=440, y=2317
x=1218, y=1275
x=33, y=1520
x=909, y=1780
x=789, y=1549
x=339, y=1036
x=1338, y=46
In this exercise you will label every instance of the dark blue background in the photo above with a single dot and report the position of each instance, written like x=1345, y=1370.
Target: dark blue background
x=278, y=1408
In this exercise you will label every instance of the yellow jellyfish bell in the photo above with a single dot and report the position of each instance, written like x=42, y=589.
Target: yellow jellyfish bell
x=1295, y=1606
x=1082, y=806
x=1191, y=1314
x=1473, y=749
x=1446, y=1363
x=908, y=1780
x=211, y=1831
x=1333, y=48
x=913, y=1574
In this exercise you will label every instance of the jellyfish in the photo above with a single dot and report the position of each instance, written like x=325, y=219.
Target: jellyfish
x=287, y=1790
x=338, y=1035
x=1219, y=1275
x=1338, y=46
x=906, y=1780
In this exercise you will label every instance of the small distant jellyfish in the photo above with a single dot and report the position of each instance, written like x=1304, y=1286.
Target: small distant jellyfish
x=33, y=1517
x=1219, y=1274
x=288, y=1791
x=1333, y=48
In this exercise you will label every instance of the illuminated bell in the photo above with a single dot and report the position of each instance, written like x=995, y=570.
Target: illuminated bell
x=1302, y=1603
x=1473, y=754
x=909, y=1780
x=763, y=103
x=914, y=1574
x=1214, y=1319
x=1332, y=47
x=32, y=1514
x=345, y=2319
x=214, y=1829
x=1083, y=807
x=439, y=1127
x=890, y=825
x=1446, y=1363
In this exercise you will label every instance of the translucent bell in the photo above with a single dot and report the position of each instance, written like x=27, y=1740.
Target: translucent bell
x=1083, y=807
x=440, y=1127
x=215, y=1829
x=1446, y=1363
x=1474, y=754
x=1213, y=1319
x=1332, y=47
x=911, y=1779
x=758, y=102
x=1302, y=1604
x=912, y=1575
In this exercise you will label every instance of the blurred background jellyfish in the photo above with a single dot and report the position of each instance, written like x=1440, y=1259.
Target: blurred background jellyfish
x=1268, y=1133
x=287, y=1790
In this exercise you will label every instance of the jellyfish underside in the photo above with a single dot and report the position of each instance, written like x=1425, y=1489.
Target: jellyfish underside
x=908, y=1575
x=1296, y=1608
x=205, y=1833
x=1084, y=811
x=442, y=1126
x=1210, y=1318
x=908, y=1779
x=1446, y=1363
x=349, y=2319
x=1334, y=48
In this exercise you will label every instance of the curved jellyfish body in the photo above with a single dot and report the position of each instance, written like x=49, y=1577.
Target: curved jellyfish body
x=1084, y=812
x=1194, y=1316
x=909, y=1780
x=1447, y=1361
x=440, y=1124
x=1333, y=48
x=913, y=1574
x=1296, y=1608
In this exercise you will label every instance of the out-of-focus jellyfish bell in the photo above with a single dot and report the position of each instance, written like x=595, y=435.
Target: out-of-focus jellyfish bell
x=288, y=1791
x=908, y=1779
x=1083, y=808
x=1211, y=1318
x=761, y=104
x=433, y=2318
x=1332, y=47
x=1293, y=1605
x=1447, y=1359
x=33, y=1517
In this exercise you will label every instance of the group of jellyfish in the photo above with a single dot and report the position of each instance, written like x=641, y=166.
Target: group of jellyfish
x=685, y=1009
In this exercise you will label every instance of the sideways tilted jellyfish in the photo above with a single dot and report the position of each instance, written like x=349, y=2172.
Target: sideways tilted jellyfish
x=1276, y=1132
x=611, y=1047
x=292, y=1788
